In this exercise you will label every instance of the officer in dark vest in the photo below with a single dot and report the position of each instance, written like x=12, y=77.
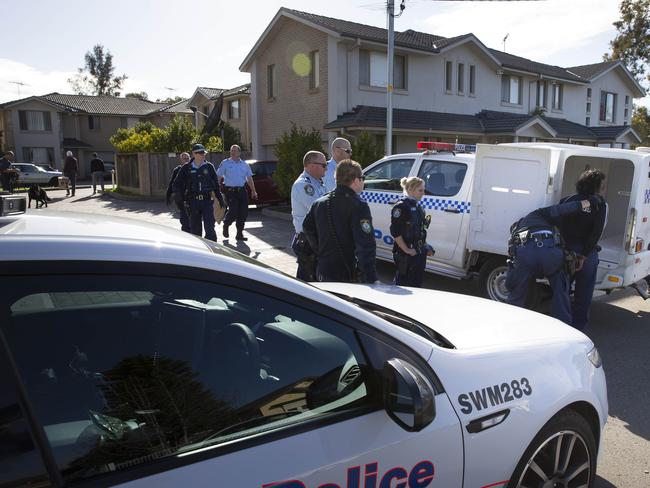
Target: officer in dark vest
x=183, y=213
x=537, y=251
x=408, y=226
x=196, y=187
x=339, y=228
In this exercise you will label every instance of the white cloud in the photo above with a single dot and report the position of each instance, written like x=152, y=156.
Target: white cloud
x=36, y=82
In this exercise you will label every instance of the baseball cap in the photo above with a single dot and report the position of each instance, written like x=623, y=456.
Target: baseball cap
x=198, y=148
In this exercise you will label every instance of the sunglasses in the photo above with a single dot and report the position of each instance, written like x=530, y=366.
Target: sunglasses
x=198, y=152
x=322, y=165
x=362, y=177
x=346, y=151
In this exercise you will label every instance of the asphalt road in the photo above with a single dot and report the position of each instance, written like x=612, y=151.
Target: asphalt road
x=620, y=327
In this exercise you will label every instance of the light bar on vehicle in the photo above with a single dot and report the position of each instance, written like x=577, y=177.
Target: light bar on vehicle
x=445, y=146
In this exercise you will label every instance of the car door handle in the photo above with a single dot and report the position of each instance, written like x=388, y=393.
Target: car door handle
x=452, y=210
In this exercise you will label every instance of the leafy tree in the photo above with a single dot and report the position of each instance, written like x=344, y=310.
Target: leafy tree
x=96, y=77
x=231, y=135
x=366, y=150
x=290, y=149
x=641, y=124
x=632, y=42
x=170, y=100
x=139, y=95
x=181, y=134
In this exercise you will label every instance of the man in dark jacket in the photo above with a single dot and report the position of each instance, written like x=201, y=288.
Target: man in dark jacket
x=97, y=171
x=581, y=233
x=6, y=171
x=70, y=169
x=339, y=228
x=183, y=212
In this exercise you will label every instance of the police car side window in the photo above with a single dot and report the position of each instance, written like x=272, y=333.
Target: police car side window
x=442, y=178
x=125, y=370
x=387, y=175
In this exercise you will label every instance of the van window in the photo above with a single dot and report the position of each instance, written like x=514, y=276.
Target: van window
x=442, y=178
x=387, y=175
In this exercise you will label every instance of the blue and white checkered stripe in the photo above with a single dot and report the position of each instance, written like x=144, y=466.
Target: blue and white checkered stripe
x=429, y=203
x=647, y=196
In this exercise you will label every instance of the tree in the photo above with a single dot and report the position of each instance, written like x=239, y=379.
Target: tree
x=641, y=124
x=632, y=43
x=139, y=95
x=231, y=135
x=366, y=150
x=290, y=149
x=170, y=100
x=96, y=77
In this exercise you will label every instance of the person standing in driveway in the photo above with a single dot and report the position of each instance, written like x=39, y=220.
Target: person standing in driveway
x=236, y=173
x=70, y=168
x=183, y=212
x=6, y=171
x=97, y=171
x=341, y=149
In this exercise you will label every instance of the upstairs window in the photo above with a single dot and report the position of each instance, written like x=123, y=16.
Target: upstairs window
x=35, y=120
x=233, y=109
x=542, y=88
x=607, y=107
x=589, y=93
x=448, y=75
x=314, y=74
x=94, y=122
x=472, y=80
x=373, y=70
x=511, y=89
x=270, y=81
x=461, y=79
x=557, y=96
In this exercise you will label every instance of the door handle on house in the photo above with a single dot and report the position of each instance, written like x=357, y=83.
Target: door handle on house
x=452, y=210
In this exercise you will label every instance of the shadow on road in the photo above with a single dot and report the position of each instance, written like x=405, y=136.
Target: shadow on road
x=602, y=483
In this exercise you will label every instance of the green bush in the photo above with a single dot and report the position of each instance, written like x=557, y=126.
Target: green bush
x=365, y=149
x=290, y=149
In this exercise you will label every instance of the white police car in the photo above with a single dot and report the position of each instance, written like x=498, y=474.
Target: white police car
x=136, y=355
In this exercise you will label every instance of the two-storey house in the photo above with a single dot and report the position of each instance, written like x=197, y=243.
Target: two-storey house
x=331, y=74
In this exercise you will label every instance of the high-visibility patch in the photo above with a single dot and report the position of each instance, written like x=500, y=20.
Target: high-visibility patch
x=366, y=226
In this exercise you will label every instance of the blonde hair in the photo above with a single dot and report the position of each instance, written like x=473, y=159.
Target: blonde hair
x=410, y=184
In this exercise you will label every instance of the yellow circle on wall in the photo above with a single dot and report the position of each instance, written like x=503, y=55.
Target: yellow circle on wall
x=301, y=64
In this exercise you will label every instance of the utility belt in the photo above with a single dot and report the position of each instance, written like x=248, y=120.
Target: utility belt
x=201, y=196
x=301, y=246
x=543, y=238
x=235, y=188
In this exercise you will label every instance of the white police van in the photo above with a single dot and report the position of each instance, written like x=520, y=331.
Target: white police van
x=136, y=355
x=474, y=198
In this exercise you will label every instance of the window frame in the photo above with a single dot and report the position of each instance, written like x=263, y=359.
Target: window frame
x=449, y=75
x=558, y=97
x=365, y=70
x=506, y=90
x=234, y=113
x=472, y=80
x=314, y=73
x=94, y=123
x=442, y=160
x=358, y=327
x=270, y=82
x=380, y=164
x=23, y=121
x=602, y=116
x=541, y=94
x=460, y=78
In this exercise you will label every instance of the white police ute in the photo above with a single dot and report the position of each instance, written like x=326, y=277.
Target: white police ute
x=472, y=199
x=136, y=355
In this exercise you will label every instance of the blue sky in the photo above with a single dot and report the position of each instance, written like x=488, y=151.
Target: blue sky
x=192, y=43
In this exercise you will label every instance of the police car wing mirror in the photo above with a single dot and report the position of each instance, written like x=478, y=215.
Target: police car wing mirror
x=407, y=395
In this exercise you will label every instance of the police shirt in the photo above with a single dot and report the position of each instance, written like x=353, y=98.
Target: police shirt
x=408, y=221
x=192, y=180
x=547, y=217
x=234, y=172
x=351, y=225
x=328, y=179
x=581, y=232
x=305, y=190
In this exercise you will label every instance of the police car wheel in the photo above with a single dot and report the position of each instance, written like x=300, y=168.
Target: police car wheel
x=563, y=454
x=492, y=279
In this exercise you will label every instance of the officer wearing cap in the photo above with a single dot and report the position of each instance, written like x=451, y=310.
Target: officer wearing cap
x=341, y=149
x=183, y=215
x=195, y=187
x=537, y=252
x=305, y=190
x=236, y=173
x=339, y=228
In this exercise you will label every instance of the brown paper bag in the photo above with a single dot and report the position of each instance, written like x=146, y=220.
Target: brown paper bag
x=219, y=211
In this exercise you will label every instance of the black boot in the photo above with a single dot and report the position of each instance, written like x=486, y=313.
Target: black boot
x=240, y=236
x=226, y=235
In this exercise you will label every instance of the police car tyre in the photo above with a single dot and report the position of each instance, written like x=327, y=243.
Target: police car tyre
x=563, y=454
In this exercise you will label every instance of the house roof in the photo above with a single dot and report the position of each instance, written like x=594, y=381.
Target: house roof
x=71, y=143
x=177, y=108
x=589, y=71
x=484, y=122
x=508, y=60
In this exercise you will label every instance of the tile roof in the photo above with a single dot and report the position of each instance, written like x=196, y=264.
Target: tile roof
x=589, y=71
x=211, y=93
x=244, y=89
x=177, y=108
x=517, y=62
x=610, y=132
x=104, y=104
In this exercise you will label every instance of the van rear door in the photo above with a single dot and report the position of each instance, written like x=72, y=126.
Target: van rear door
x=509, y=182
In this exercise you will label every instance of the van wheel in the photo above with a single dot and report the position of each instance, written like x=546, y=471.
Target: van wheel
x=562, y=454
x=492, y=279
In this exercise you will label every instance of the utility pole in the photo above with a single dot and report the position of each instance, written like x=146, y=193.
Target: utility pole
x=389, y=84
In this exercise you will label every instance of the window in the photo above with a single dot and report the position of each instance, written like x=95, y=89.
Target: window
x=587, y=121
x=94, y=122
x=387, y=175
x=448, y=75
x=588, y=93
x=542, y=88
x=314, y=74
x=35, y=120
x=374, y=72
x=588, y=107
x=233, y=109
x=511, y=89
x=442, y=178
x=472, y=79
x=130, y=369
x=557, y=96
x=270, y=81
x=627, y=100
x=625, y=114
x=38, y=154
x=461, y=79
x=607, y=107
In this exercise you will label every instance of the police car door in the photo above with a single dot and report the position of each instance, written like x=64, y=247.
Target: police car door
x=382, y=190
x=443, y=201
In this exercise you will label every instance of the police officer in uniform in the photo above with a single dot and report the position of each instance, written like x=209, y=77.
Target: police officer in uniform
x=196, y=186
x=183, y=215
x=341, y=149
x=408, y=227
x=581, y=233
x=7, y=171
x=236, y=173
x=537, y=251
x=339, y=228
x=305, y=190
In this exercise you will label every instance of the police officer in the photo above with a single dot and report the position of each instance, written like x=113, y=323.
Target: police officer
x=196, y=186
x=341, y=149
x=7, y=171
x=581, y=233
x=236, y=173
x=339, y=228
x=183, y=215
x=305, y=190
x=408, y=227
x=537, y=251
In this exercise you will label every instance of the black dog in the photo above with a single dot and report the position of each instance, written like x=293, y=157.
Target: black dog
x=38, y=194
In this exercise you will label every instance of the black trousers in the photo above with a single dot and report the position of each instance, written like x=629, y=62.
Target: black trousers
x=237, y=199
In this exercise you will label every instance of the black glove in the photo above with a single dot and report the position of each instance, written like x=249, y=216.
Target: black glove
x=178, y=199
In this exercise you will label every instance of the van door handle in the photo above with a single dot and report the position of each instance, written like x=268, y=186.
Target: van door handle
x=452, y=210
